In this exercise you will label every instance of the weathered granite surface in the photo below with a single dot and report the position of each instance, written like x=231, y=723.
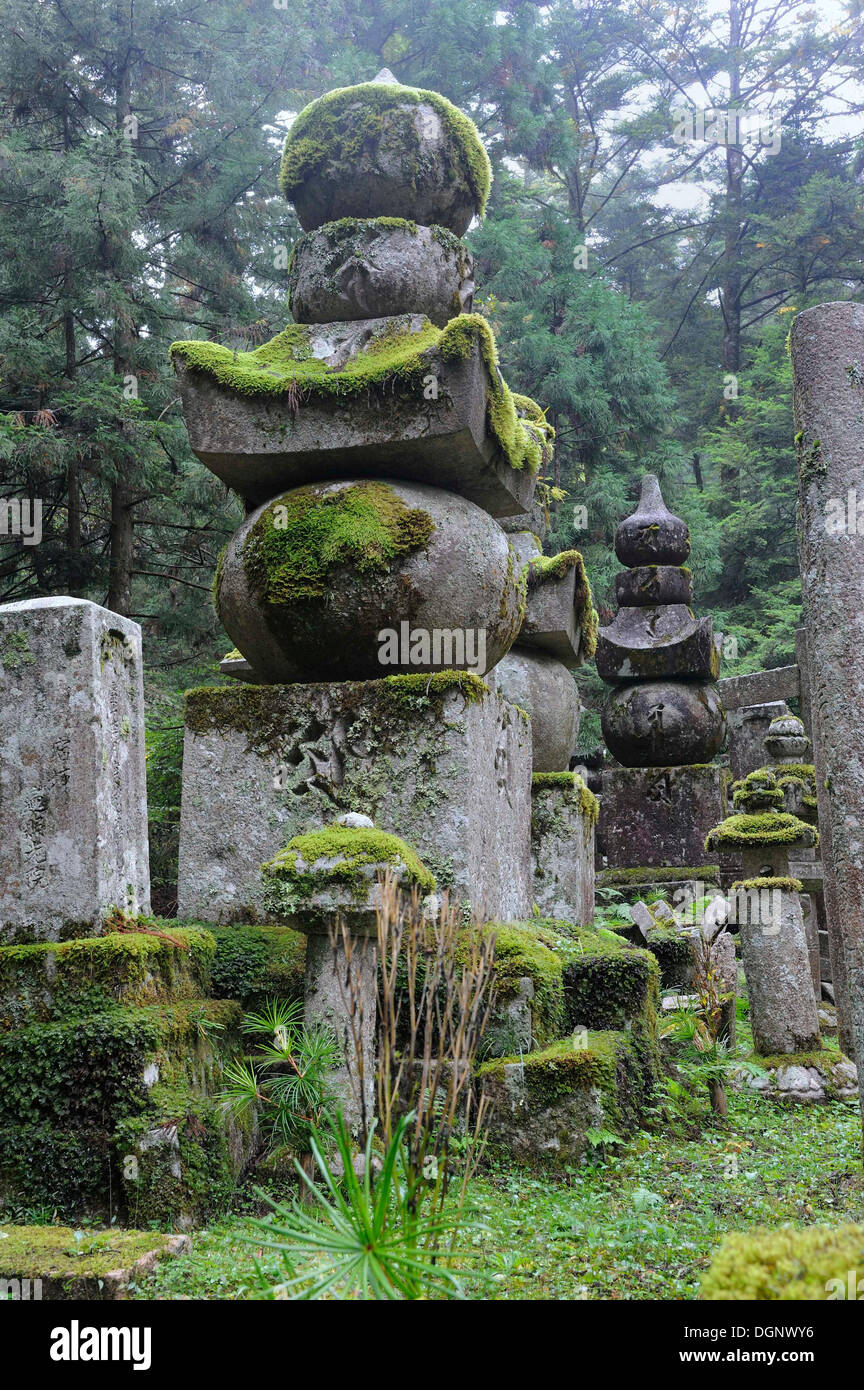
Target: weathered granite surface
x=73, y=807
x=562, y=850
x=544, y=688
x=783, y=1010
x=365, y=270
x=442, y=761
x=463, y=580
x=746, y=727
x=660, y=815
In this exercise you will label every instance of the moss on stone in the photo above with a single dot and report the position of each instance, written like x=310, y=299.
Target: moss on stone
x=785, y=884
x=58, y=1253
x=260, y=711
x=15, y=651
x=302, y=536
x=341, y=854
x=63, y=980
x=541, y=569
x=255, y=963
x=769, y=828
x=823, y=1059
x=74, y=1094
x=523, y=442
x=603, y=1061
x=811, y=462
x=394, y=355
x=521, y=954
x=650, y=873
x=805, y=772
x=574, y=790
x=334, y=130
x=286, y=365
x=785, y=1265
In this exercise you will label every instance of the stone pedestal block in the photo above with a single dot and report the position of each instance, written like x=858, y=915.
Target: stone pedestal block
x=546, y=689
x=777, y=969
x=440, y=760
x=341, y=991
x=73, y=804
x=563, y=816
x=660, y=815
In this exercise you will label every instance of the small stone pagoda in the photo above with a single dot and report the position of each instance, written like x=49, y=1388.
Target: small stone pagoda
x=662, y=718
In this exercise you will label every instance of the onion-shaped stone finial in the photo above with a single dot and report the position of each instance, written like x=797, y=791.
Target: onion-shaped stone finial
x=652, y=535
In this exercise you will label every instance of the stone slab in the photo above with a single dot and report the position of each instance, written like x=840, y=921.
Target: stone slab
x=760, y=687
x=73, y=792
x=261, y=445
x=659, y=816
x=442, y=761
x=562, y=855
x=551, y=623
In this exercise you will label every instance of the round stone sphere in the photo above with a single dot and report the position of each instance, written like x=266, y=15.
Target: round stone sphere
x=357, y=580
x=663, y=723
x=545, y=688
x=379, y=267
x=383, y=150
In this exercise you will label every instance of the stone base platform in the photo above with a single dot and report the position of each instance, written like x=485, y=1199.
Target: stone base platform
x=441, y=760
x=805, y=1080
x=656, y=816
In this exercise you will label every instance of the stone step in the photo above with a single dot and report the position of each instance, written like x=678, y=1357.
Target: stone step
x=64, y=980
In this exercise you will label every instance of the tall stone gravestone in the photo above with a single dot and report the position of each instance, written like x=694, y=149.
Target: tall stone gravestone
x=73, y=805
x=371, y=587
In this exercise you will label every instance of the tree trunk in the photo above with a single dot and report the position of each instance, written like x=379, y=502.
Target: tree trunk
x=829, y=395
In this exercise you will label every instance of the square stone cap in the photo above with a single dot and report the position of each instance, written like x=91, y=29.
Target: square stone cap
x=66, y=601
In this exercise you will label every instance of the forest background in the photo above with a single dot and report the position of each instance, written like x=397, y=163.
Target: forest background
x=641, y=258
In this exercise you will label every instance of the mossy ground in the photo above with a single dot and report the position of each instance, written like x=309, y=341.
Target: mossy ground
x=34, y=1251
x=642, y=1223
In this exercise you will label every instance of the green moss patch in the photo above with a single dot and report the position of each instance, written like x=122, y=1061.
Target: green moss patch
x=264, y=712
x=342, y=855
x=785, y=1265
x=300, y=538
x=573, y=790
x=649, y=874
x=333, y=131
x=76, y=1264
x=769, y=828
x=785, y=884
x=63, y=980
x=394, y=356
x=604, y=1062
x=255, y=963
x=544, y=568
x=519, y=954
